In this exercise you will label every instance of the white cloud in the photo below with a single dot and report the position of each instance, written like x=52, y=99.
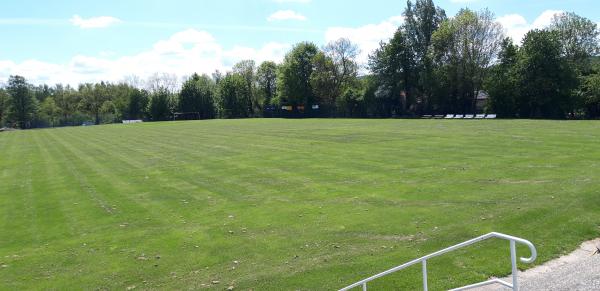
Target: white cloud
x=366, y=37
x=94, y=22
x=516, y=26
x=286, y=15
x=182, y=54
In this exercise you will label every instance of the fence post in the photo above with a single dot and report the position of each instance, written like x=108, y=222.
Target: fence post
x=513, y=260
x=424, y=275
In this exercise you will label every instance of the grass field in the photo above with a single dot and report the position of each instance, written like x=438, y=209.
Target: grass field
x=289, y=204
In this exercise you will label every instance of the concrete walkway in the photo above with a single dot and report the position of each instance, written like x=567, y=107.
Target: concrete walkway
x=579, y=270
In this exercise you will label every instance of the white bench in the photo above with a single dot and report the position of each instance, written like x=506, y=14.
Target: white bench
x=132, y=121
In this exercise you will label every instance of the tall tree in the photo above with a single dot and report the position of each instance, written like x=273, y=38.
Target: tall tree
x=49, y=111
x=343, y=54
x=92, y=98
x=590, y=92
x=293, y=78
x=578, y=37
x=422, y=19
x=501, y=83
x=546, y=80
x=137, y=103
x=159, y=106
x=22, y=106
x=197, y=95
x=68, y=100
x=267, y=77
x=234, y=96
x=324, y=80
x=465, y=46
x=340, y=56
x=247, y=69
x=3, y=105
x=393, y=65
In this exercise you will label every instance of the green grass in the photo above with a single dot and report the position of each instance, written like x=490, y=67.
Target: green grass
x=299, y=204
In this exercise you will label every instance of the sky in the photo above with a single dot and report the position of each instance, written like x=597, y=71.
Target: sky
x=76, y=41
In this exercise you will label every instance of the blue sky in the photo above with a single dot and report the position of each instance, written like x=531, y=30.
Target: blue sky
x=79, y=41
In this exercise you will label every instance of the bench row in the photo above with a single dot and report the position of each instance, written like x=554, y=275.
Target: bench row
x=461, y=116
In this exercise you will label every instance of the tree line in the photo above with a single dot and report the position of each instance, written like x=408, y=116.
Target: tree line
x=433, y=64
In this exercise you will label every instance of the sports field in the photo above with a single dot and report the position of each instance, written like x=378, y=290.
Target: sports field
x=271, y=204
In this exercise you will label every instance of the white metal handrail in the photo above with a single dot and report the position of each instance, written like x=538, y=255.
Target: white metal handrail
x=423, y=260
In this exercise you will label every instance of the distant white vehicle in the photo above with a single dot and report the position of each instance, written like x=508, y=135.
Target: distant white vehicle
x=490, y=116
x=449, y=116
x=459, y=116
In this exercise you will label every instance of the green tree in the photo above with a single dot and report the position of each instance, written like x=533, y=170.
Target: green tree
x=336, y=69
x=109, y=112
x=234, y=96
x=324, y=81
x=93, y=97
x=501, y=84
x=293, y=78
x=159, y=105
x=578, y=37
x=590, y=92
x=50, y=112
x=137, y=103
x=22, y=106
x=3, y=105
x=247, y=69
x=197, y=95
x=351, y=102
x=68, y=100
x=464, y=48
x=546, y=80
x=393, y=65
x=422, y=19
x=267, y=77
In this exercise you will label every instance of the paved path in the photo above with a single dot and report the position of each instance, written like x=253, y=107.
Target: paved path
x=579, y=270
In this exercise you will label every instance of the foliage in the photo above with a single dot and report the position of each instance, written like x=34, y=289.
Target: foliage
x=235, y=96
x=247, y=69
x=502, y=83
x=590, y=92
x=578, y=37
x=50, y=113
x=323, y=80
x=293, y=78
x=433, y=64
x=159, y=107
x=3, y=105
x=198, y=95
x=464, y=48
x=22, y=106
x=545, y=78
x=267, y=81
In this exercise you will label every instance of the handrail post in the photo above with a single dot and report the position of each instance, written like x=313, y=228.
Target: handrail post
x=424, y=275
x=513, y=260
x=364, y=285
